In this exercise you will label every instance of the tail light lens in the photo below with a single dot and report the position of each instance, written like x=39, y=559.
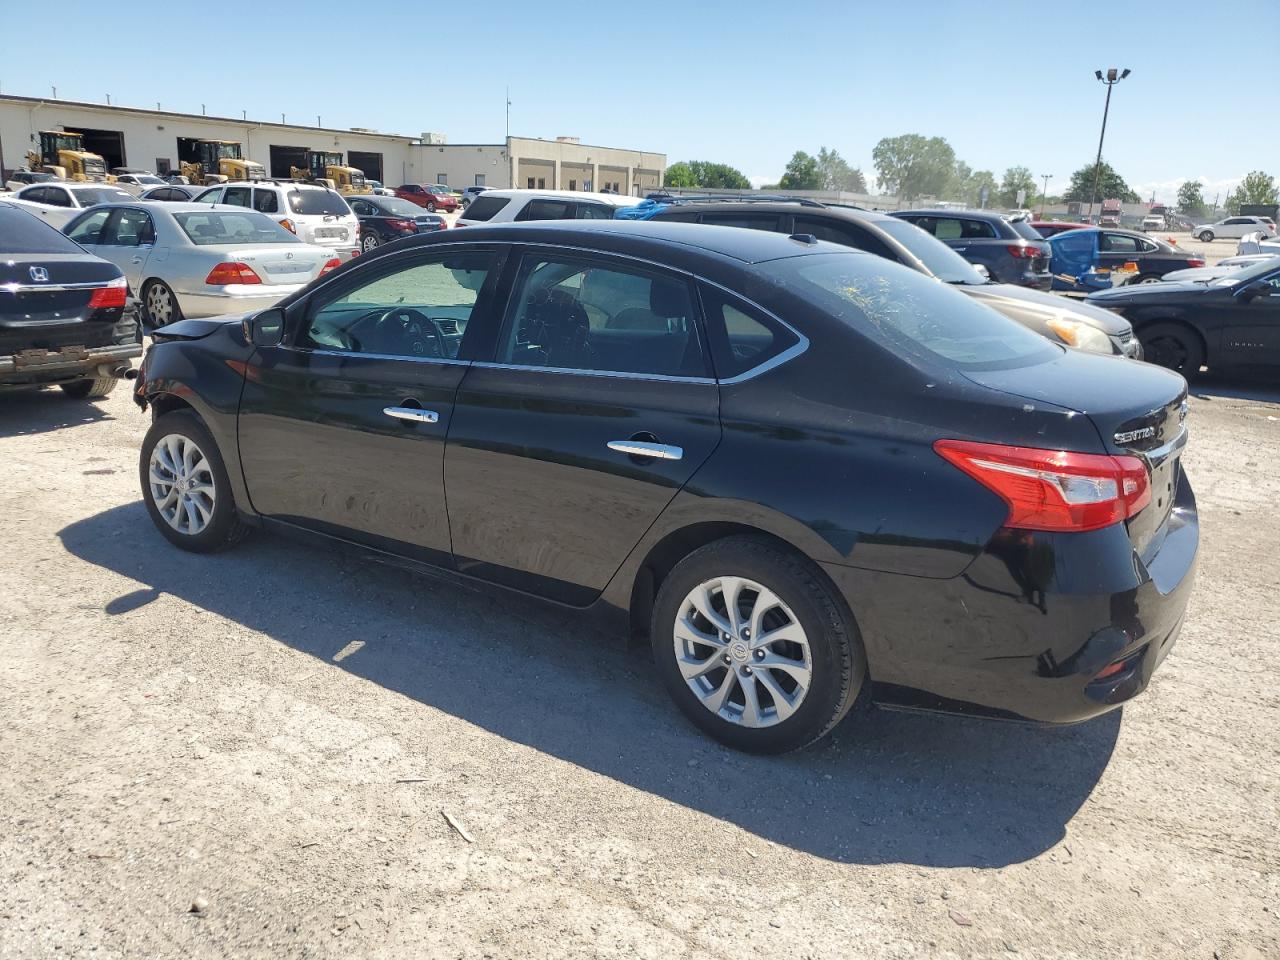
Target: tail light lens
x=405, y=226
x=333, y=264
x=231, y=272
x=1024, y=252
x=1054, y=489
x=1195, y=261
x=111, y=297
x=459, y=223
x=289, y=225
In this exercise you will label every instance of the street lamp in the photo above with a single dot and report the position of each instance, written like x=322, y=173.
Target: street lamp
x=1112, y=77
x=1044, y=194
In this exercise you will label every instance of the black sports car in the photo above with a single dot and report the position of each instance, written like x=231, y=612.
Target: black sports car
x=1233, y=321
x=799, y=470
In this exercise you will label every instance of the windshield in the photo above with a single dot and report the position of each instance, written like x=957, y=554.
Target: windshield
x=317, y=202
x=90, y=196
x=1250, y=273
x=397, y=207
x=908, y=312
x=213, y=228
x=939, y=259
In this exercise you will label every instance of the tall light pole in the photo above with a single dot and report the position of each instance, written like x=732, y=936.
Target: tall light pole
x=1044, y=194
x=1113, y=77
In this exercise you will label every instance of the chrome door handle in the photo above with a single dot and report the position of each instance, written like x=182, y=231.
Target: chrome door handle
x=412, y=414
x=639, y=448
x=136, y=260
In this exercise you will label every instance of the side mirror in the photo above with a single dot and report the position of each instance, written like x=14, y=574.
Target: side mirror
x=264, y=329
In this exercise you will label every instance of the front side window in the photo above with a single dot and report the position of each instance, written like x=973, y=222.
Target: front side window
x=1118, y=243
x=210, y=196
x=129, y=228
x=420, y=311
x=582, y=315
x=89, y=228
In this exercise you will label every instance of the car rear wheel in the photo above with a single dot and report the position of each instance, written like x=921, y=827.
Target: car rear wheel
x=185, y=485
x=369, y=242
x=1206, y=236
x=159, y=304
x=754, y=647
x=1148, y=278
x=89, y=389
x=1173, y=346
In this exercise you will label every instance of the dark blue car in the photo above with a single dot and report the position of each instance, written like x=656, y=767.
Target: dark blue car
x=1010, y=250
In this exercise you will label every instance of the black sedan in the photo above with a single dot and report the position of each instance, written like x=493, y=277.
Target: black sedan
x=799, y=470
x=384, y=219
x=1230, y=322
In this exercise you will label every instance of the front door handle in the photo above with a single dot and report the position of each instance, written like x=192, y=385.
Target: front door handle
x=136, y=260
x=412, y=414
x=641, y=448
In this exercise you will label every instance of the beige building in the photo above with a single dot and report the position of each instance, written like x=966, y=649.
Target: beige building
x=159, y=140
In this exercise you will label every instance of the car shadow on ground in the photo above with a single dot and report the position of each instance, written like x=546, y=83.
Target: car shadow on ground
x=1211, y=386
x=26, y=413
x=885, y=787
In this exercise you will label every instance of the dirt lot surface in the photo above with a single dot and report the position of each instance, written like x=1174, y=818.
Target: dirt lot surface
x=251, y=755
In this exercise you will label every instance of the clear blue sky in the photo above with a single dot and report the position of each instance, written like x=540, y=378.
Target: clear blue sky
x=744, y=83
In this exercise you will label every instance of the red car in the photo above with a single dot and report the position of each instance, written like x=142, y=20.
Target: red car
x=429, y=195
x=1047, y=228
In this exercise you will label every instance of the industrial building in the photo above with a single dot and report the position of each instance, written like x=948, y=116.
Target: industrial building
x=160, y=140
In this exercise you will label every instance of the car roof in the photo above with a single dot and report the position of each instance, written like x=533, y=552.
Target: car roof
x=779, y=206
x=974, y=214
x=636, y=236
x=613, y=199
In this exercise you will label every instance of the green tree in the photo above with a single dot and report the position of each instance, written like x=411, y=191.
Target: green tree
x=1191, y=199
x=1257, y=187
x=910, y=166
x=703, y=173
x=966, y=185
x=1110, y=186
x=1015, y=179
x=802, y=173
x=837, y=174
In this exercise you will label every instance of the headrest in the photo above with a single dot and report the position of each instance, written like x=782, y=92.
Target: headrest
x=668, y=299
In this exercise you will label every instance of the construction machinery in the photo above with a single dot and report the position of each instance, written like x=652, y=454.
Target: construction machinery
x=326, y=167
x=62, y=154
x=217, y=161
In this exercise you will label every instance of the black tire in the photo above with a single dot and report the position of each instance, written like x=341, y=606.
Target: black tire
x=159, y=289
x=838, y=660
x=370, y=241
x=224, y=527
x=1173, y=346
x=1205, y=236
x=89, y=389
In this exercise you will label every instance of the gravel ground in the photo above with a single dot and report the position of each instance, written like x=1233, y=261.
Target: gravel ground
x=250, y=755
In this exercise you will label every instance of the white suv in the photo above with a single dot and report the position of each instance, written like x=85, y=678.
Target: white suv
x=500, y=206
x=315, y=213
x=1234, y=227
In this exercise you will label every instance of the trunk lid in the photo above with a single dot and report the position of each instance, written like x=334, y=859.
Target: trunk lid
x=287, y=264
x=41, y=290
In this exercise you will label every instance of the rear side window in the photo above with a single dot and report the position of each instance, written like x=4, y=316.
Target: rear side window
x=237, y=196
x=847, y=235
x=318, y=202
x=266, y=201
x=977, y=230
x=545, y=210
x=751, y=221
x=908, y=312
x=483, y=208
x=593, y=211
x=20, y=232
x=742, y=338
x=1025, y=230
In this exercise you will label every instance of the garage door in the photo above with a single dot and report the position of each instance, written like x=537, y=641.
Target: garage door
x=369, y=163
x=108, y=144
x=283, y=159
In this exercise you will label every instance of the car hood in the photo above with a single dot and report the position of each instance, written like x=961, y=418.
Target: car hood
x=1197, y=274
x=1141, y=292
x=1045, y=305
x=196, y=329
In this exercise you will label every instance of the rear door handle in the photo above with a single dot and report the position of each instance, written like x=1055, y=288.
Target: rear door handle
x=412, y=414
x=640, y=448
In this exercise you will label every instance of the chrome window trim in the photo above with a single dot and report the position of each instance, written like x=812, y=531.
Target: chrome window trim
x=51, y=287
x=345, y=355
x=618, y=374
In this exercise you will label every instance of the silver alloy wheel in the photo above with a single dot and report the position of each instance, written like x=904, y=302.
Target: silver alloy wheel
x=1149, y=280
x=742, y=651
x=181, y=482
x=370, y=241
x=159, y=304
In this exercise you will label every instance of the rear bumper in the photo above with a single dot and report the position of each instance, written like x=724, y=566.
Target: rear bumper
x=69, y=363
x=234, y=298
x=1024, y=632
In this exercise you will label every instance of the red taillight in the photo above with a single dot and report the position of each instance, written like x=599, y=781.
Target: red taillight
x=407, y=226
x=459, y=223
x=1023, y=252
x=289, y=225
x=1195, y=261
x=333, y=264
x=1054, y=489
x=231, y=272
x=110, y=297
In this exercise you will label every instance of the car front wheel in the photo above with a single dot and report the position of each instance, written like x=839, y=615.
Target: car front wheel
x=1173, y=346
x=369, y=242
x=754, y=647
x=1206, y=236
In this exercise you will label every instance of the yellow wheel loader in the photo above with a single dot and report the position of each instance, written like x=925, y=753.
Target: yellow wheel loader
x=62, y=153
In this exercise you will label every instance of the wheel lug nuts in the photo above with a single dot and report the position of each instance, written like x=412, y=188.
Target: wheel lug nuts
x=760, y=654
x=746, y=671
x=727, y=658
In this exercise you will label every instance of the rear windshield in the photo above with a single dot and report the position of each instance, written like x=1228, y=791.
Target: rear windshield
x=396, y=207
x=317, y=202
x=213, y=228
x=939, y=259
x=91, y=196
x=909, y=312
x=483, y=208
x=21, y=232
x=1025, y=230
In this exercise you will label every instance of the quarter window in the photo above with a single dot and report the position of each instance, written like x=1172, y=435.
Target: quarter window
x=420, y=311
x=581, y=315
x=741, y=337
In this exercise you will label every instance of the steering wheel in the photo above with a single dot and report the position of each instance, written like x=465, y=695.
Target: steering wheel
x=406, y=328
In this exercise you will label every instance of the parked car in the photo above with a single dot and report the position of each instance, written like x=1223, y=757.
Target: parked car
x=21, y=178
x=378, y=189
x=1153, y=221
x=171, y=193
x=1010, y=250
x=1070, y=322
x=498, y=206
x=802, y=471
x=384, y=219
x=135, y=183
x=1098, y=252
x=1022, y=214
x=1233, y=228
x=470, y=193
x=175, y=178
x=64, y=313
x=433, y=196
x=1231, y=322
x=1220, y=269
x=58, y=202
x=1048, y=228
x=197, y=259
x=315, y=213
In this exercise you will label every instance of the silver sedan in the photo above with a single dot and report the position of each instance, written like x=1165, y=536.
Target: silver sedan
x=199, y=259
